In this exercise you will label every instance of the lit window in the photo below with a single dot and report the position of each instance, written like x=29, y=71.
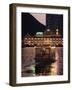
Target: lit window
x=29, y=41
x=39, y=34
x=32, y=38
x=25, y=38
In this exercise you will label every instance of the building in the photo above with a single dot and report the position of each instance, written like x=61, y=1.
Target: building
x=42, y=50
x=46, y=38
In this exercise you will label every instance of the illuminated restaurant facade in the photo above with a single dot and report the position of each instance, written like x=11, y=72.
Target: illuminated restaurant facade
x=44, y=50
x=43, y=39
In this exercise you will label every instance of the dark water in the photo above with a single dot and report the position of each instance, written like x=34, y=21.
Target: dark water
x=36, y=61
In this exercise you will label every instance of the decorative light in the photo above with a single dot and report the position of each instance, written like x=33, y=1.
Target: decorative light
x=53, y=47
x=57, y=31
x=39, y=34
x=25, y=38
x=48, y=30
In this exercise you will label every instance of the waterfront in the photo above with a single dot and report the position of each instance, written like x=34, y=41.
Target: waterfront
x=42, y=44
x=38, y=61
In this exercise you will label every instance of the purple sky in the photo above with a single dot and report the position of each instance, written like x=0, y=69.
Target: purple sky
x=40, y=17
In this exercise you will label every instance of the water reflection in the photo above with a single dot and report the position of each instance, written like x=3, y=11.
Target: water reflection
x=38, y=61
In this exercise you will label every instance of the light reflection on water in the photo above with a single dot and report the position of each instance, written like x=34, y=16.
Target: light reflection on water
x=57, y=67
x=29, y=63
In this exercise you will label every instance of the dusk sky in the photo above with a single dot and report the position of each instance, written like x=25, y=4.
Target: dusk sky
x=40, y=17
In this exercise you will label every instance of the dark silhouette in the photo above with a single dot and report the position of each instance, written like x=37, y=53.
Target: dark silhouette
x=31, y=25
